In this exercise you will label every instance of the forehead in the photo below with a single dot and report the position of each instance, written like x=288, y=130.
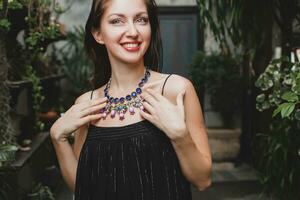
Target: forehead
x=126, y=7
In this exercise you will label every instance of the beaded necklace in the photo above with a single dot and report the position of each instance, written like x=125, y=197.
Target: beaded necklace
x=121, y=105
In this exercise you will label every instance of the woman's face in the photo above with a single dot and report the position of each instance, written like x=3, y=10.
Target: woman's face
x=125, y=30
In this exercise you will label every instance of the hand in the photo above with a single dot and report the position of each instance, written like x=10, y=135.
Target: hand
x=164, y=114
x=78, y=115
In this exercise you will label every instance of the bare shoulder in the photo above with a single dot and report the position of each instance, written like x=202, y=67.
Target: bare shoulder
x=83, y=97
x=178, y=83
x=174, y=85
x=97, y=93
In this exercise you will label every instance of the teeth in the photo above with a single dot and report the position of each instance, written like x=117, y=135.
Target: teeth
x=130, y=45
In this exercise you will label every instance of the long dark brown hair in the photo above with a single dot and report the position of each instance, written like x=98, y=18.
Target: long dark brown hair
x=98, y=53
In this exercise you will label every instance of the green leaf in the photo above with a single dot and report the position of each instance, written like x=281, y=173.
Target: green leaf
x=290, y=96
x=5, y=24
x=297, y=114
x=296, y=88
x=276, y=111
x=260, y=98
x=287, y=109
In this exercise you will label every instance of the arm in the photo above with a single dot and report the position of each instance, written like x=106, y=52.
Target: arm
x=67, y=161
x=192, y=148
x=68, y=157
x=75, y=120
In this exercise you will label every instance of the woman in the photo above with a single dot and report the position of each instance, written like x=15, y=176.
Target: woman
x=132, y=143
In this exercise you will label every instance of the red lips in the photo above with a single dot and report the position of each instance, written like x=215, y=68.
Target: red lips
x=131, y=49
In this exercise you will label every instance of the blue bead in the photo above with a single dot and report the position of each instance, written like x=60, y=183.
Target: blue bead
x=128, y=97
x=138, y=90
x=122, y=99
x=111, y=99
x=133, y=94
x=143, y=80
x=116, y=100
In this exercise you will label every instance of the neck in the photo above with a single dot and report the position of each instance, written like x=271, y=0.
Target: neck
x=125, y=78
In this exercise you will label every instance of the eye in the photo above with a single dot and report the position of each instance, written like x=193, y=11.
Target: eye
x=116, y=21
x=143, y=20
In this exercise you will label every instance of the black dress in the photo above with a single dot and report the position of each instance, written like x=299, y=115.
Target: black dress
x=131, y=162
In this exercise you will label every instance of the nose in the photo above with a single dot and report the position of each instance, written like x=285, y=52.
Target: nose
x=132, y=30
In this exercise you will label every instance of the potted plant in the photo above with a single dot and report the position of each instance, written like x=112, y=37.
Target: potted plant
x=220, y=76
x=7, y=154
x=278, y=149
x=40, y=192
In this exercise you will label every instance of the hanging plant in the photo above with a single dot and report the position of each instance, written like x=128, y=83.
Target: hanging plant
x=38, y=20
x=37, y=95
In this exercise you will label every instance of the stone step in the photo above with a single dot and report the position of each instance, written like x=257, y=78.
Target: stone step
x=231, y=182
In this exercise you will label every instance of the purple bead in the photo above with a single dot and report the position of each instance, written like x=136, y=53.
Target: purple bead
x=128, y=97
x=121, y=116
x=111, y=99
x=133, y=94
x=102, y=110
x=131, y=110
x=113, y=113
x=141, y=84
x=116, y=100
x=122, y=99
x=138, y=90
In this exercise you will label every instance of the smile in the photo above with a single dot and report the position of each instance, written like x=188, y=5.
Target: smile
x=131, y=47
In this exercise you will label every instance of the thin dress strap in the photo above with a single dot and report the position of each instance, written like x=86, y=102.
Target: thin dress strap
x=92, y=94
x=162, y=92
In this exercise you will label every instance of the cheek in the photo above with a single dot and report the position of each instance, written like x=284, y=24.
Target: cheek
x=146, y=34
x=111, y=34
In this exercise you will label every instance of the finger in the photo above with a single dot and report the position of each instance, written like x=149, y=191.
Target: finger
x=146, y=115
x=92, y=109
x=150, y=99
x=90, y=118
x=89, y=103
x=148, y=107
x=179, y=100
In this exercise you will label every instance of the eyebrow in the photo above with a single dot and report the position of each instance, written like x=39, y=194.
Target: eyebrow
x=122, y=15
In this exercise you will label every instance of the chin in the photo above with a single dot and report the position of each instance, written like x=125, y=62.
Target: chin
x=131, y=59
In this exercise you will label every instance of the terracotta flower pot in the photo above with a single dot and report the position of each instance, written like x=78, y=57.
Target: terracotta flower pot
x=224, y=143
